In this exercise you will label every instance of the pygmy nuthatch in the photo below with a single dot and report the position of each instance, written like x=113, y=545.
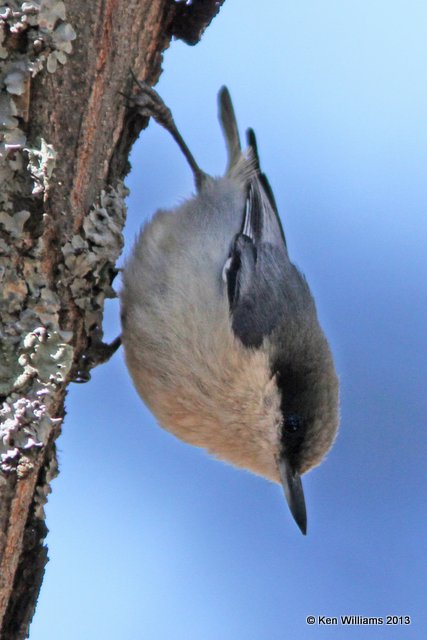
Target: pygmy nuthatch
x=220, y=330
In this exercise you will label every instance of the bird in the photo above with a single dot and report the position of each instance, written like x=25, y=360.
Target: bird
x=219, y=327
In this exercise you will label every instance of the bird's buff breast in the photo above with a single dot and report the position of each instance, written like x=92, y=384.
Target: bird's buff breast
x=204, y=386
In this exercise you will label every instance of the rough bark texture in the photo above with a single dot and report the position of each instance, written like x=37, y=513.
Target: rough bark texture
x=66, y=134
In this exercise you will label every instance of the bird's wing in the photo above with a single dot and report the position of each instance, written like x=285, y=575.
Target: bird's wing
x=258, y=266
x=258, y=270
x=257, y=277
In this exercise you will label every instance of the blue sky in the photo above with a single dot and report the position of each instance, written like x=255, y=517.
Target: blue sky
x=151, y=539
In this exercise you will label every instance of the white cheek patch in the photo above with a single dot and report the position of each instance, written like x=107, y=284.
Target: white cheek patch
x=226, y=269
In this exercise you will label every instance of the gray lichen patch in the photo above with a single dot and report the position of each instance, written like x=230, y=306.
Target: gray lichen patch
x=41, y=163
x=14, y=224
x=25, y=424
x=90, y=256
x=26, y=301
x=33, y=35
x=47, y=355
x=44, y=38
x=29, y=372
x=35, y=354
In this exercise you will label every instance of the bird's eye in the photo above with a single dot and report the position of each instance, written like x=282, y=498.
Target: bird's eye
x=292, y=423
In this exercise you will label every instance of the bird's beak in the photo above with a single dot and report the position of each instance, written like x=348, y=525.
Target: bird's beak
x=294, y=493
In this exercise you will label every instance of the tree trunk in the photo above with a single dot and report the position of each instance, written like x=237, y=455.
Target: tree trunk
x=66, y=132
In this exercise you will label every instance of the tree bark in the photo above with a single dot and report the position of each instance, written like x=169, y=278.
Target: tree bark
x=65, y=135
